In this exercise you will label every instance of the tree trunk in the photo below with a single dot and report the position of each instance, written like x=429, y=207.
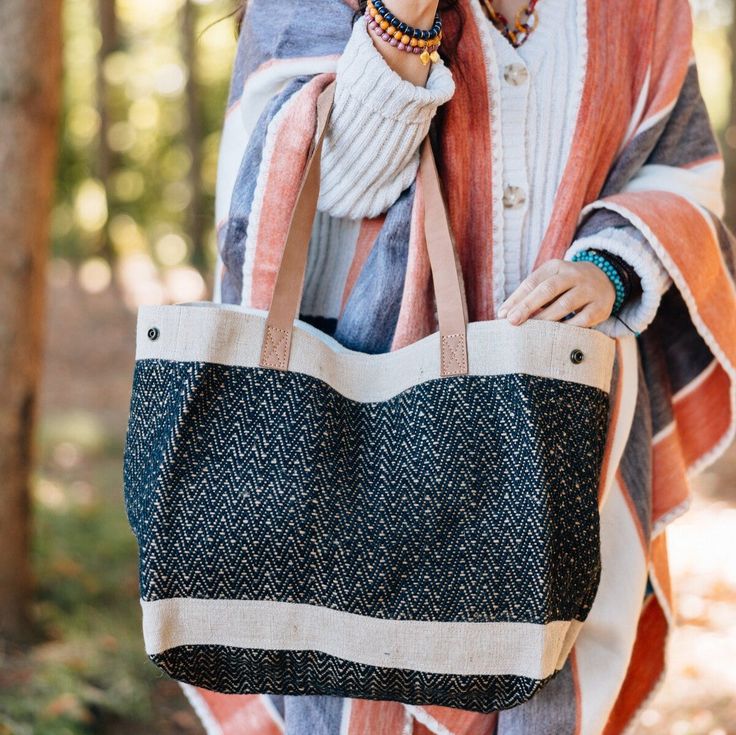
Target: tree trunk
x=30, y=97
x=197, y=217
x=106, y=159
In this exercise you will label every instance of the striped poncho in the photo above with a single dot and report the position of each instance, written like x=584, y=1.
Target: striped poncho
x=644, y=153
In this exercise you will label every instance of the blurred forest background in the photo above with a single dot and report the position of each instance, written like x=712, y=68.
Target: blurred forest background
x=143, y=96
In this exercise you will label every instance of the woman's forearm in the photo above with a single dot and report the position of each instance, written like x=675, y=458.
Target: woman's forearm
x=379, y=119
x=418, y=13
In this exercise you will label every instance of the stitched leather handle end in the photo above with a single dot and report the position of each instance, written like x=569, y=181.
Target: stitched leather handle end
x=275, y=349
x=453, y=354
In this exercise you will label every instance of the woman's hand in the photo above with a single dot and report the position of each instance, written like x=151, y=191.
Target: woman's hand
x=559, y=287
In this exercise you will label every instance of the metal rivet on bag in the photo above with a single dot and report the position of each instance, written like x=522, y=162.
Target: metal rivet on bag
x=153, y=333
x=576, y=356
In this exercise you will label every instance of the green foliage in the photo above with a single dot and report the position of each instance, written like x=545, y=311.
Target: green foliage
x=142, y=194
x=90, y=668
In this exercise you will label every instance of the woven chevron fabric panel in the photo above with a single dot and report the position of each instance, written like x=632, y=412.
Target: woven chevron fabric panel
x=466, y=499
x=242, y=671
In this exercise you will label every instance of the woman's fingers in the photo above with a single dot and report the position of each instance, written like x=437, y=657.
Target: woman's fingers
x=586, y=317
x=576, y=299
x=527, y=287
x=545, y=289
x=558, y=288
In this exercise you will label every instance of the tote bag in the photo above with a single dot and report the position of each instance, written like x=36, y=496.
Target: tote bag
x=420, y=525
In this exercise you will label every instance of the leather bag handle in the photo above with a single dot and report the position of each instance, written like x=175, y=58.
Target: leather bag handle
x=446, y=272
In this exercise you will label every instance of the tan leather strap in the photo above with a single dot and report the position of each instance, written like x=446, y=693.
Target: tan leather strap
x=287, y=294
x=446, y=271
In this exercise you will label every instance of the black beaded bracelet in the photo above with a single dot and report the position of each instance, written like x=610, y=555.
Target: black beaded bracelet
x=405, y=28
x=624, y=267
x=627, y=273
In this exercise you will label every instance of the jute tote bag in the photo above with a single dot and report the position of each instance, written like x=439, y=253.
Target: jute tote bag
x=420, y=525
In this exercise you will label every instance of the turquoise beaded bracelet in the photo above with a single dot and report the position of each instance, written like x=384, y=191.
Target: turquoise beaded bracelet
x=610, y=271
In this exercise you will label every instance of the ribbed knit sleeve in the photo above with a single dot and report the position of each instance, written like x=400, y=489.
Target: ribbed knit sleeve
x=379, y=119
x=631, y=245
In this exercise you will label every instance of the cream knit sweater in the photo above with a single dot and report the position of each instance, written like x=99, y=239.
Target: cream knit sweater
x=535, y=96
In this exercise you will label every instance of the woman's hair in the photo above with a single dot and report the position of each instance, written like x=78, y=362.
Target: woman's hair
x=447, y=49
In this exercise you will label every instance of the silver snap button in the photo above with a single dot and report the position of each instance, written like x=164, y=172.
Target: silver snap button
x=513, y=197
x=576, y=356
x=153, y=334
x=515, y=74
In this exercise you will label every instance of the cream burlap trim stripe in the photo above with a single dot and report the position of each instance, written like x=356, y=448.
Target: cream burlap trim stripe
x=472, y=649
x=232, y=336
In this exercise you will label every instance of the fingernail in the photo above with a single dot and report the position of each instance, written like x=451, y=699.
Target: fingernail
x=502, y=312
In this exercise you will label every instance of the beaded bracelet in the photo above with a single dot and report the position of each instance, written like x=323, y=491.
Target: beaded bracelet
x=403, y=36
x=610, y=270
x=625, y=269
x=405, y=28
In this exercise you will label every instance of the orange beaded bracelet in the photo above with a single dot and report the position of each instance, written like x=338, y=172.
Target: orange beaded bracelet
x=402, y=36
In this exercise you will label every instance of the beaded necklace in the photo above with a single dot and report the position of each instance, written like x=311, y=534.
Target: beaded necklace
x=518, y=31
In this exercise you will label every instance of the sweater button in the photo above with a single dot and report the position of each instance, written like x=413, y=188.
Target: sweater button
x=515, y=74
x=513, y=196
